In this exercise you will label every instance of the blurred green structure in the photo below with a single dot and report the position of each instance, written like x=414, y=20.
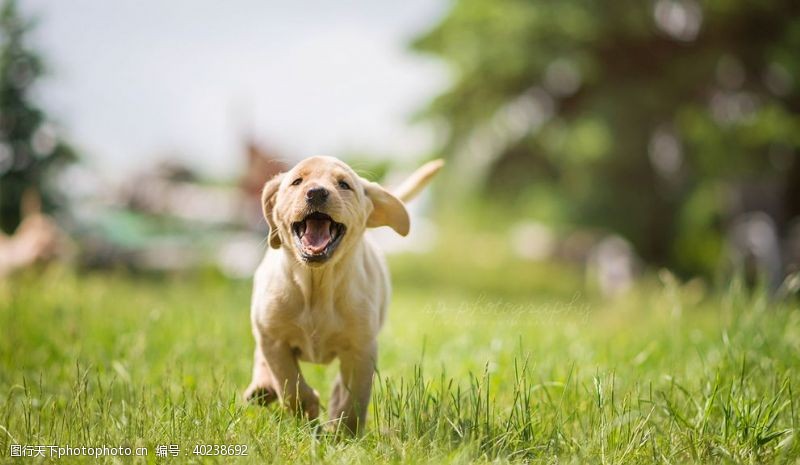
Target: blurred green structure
x=659, y=120
x=30, y=149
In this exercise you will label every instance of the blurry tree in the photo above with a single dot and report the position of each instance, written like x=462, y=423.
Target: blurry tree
x=29, y=146
x=656, y=119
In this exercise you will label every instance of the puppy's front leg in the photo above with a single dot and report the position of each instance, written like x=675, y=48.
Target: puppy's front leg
x=262, y=388
x=291, y=387
x=351, y=392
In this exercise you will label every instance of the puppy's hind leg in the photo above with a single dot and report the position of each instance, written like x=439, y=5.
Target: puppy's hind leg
x=261, y=390
x=337, y=402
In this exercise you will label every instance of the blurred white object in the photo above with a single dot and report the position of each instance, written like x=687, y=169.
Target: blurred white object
x=239, y=255
x=613, y=264
x=532, y=240
x=755, y=248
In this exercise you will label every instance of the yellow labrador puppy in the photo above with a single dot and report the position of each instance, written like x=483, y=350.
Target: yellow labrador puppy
x=322, y=290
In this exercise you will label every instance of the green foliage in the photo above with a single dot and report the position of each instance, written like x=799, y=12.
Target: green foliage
x=643, y=107
x=667, y=374
x=30, y=150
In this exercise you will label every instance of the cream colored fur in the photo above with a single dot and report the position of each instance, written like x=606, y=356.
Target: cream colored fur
x=319, y=311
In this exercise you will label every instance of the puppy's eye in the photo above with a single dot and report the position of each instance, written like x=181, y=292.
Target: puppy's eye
x=297, y=181
x=344, y=185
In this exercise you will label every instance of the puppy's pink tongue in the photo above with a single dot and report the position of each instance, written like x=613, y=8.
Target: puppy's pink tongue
x=317, y=235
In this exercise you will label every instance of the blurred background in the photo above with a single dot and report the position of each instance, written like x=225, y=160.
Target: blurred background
x=588, y=143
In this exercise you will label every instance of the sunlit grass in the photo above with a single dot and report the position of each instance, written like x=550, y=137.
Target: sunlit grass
x=503, y=372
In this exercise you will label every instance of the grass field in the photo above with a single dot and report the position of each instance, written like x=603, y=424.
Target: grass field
x=503, y=364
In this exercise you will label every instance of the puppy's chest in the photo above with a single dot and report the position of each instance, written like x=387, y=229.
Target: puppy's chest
x=321, y=333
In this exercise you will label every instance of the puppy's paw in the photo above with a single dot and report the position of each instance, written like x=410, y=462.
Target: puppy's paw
x=305, y=404
x=260, y=395
x=309, y=403
x=343, y=425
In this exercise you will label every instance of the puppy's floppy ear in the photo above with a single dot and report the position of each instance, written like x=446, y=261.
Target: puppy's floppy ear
x=268, y=204
x=387, y=210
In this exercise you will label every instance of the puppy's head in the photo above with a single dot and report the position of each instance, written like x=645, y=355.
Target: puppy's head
x=320, y=208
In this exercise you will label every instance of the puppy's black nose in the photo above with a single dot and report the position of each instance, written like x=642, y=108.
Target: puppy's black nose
x=316, y=195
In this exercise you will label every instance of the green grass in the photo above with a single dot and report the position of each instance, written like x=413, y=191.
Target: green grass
x=514, y=367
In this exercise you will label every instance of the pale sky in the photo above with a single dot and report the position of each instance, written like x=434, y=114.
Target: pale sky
x=132, y=80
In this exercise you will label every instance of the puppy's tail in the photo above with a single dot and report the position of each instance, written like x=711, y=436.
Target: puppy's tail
x=418, y=180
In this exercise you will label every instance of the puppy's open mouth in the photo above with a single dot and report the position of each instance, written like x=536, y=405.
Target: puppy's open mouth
x=317, y=236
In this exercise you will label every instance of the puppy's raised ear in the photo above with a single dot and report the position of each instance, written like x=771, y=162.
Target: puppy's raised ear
x=268, y=205
x=387, y=209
